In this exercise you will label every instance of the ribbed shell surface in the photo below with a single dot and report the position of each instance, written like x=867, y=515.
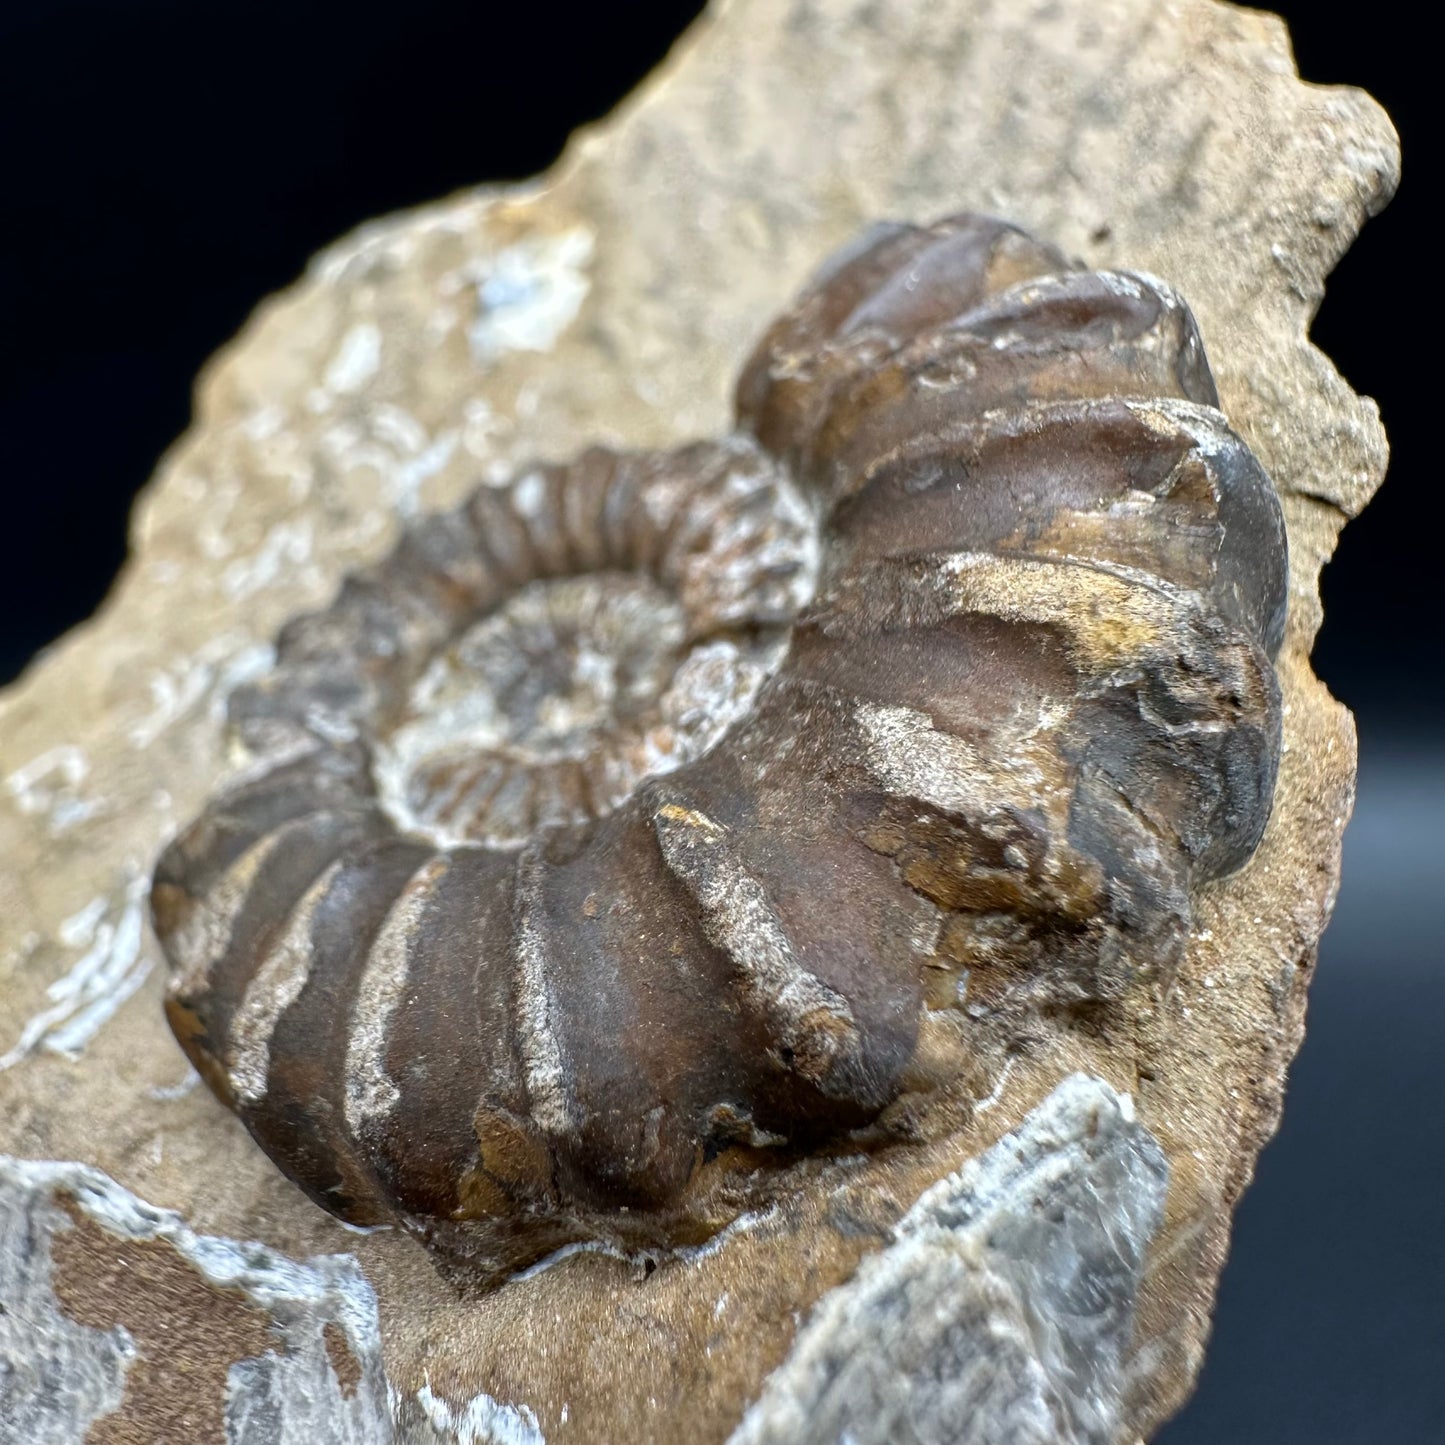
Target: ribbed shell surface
x=932, y=691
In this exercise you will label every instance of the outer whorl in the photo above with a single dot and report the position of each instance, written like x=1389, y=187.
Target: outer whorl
x=645, y=824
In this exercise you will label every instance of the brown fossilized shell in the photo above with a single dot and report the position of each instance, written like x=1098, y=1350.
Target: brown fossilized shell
x=652, y=822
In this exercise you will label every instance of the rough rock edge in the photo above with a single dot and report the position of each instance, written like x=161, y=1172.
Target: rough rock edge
x=1332, y=159
x=1005, y=1304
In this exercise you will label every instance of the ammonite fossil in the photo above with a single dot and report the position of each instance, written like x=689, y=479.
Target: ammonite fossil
x=650, y=824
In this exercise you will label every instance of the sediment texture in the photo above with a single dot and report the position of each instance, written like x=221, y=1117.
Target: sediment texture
x=1003, y=1307
x=122, y=1325
x=614, y=306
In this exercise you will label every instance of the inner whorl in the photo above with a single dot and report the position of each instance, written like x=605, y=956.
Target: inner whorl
x=528, y=659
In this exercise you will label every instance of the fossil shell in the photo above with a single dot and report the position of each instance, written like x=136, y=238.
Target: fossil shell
x=648, y=825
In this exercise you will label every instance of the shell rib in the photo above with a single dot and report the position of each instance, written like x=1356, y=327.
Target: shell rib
x=624, y=835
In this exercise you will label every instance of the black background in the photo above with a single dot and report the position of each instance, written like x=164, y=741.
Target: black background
x=164, y=164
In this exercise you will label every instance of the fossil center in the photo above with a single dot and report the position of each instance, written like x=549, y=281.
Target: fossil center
x=551, y=709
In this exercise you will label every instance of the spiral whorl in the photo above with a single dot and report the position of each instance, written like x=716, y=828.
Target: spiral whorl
x=617, y=838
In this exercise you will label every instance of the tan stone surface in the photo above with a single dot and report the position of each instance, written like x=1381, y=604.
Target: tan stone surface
x=614, y=302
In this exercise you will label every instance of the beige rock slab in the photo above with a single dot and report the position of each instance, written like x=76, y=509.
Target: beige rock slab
x=614, y=302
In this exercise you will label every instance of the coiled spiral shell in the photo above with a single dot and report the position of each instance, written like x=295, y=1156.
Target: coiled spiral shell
x=641, y=826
